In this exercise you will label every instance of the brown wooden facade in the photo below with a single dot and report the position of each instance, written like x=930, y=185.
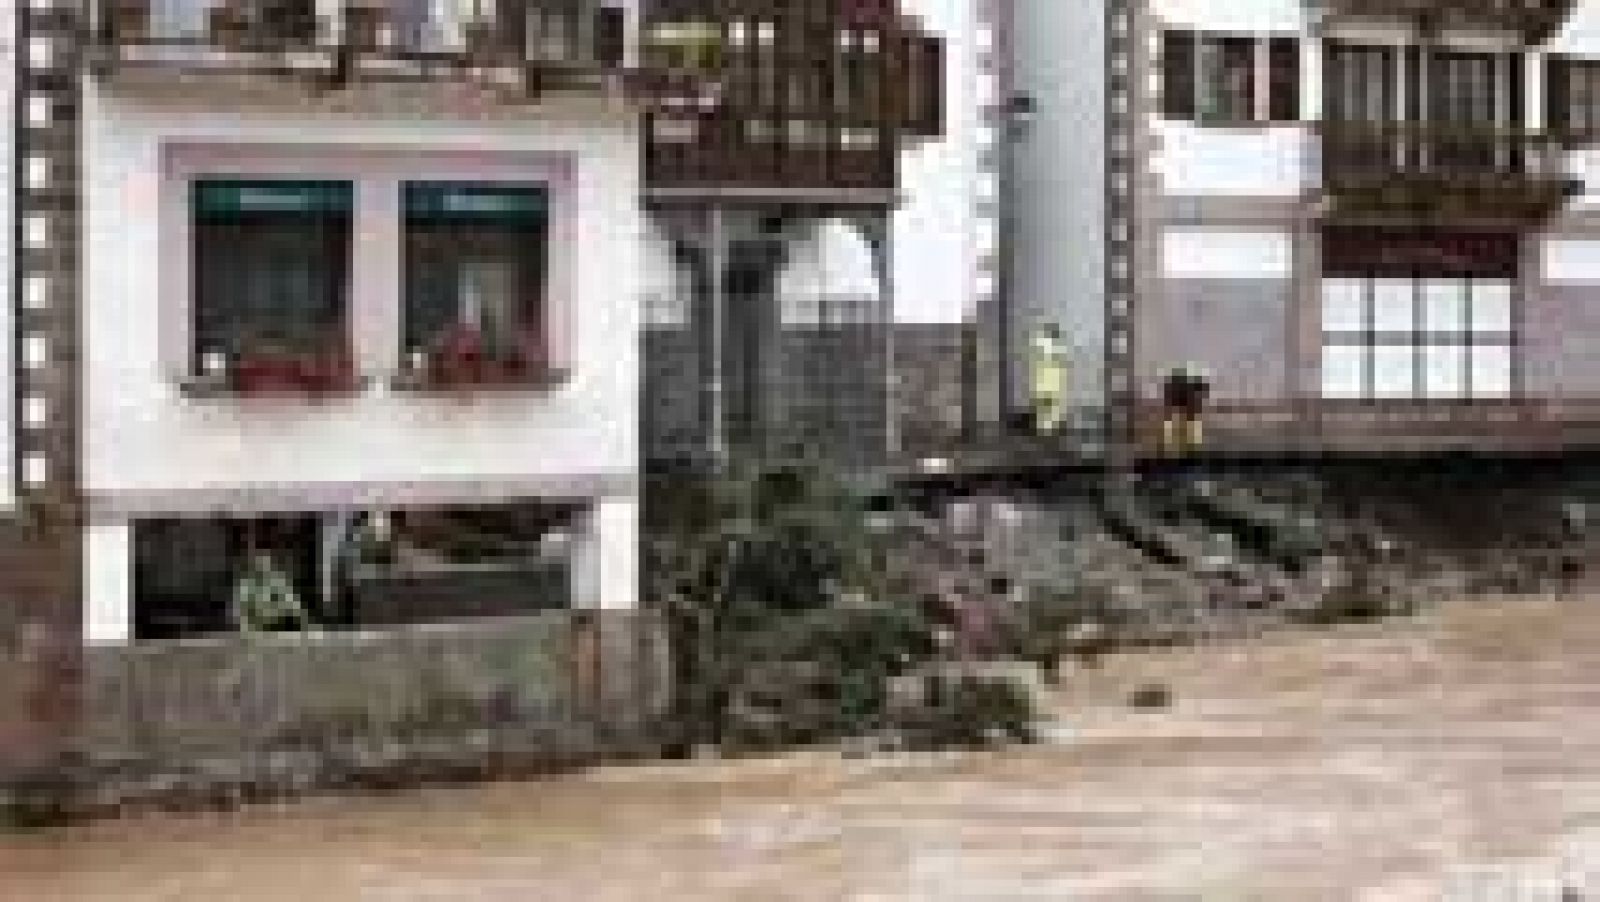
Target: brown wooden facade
x=518, y=49
x=1443, y=171
x=814, y=97
x=1535, y=20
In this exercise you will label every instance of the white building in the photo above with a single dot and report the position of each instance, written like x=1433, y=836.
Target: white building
x=273, y=301
x=1370, y=228
x=352, y=294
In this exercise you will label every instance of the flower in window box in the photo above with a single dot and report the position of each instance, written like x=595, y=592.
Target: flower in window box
x=469, y=356
x=263, y=371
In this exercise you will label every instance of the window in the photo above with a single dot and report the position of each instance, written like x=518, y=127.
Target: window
x=1362, y=83
x=475, y=279
x=442, y=24
x=1572, y=95
x=1416, y=315
x=271, y=266
x=1437, y=338
x=1217, y=79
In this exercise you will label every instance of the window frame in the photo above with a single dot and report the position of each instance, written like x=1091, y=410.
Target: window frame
x=529, y=342
x=1419, y=339
x=1270, y=65
x=323, y=361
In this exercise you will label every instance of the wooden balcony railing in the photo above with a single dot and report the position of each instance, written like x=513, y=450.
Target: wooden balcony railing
x=529, y=30
x=730, y=153
x=1444, y=168
x=1534, y=19
x=814, y=95
x=532, y=44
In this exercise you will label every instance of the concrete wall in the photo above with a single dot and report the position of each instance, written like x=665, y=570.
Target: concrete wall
x=1059, y=185
x=144, y=437
x=1236, y=328
x=938, y=234
x=1562, y=316
x=287, y=712
x=1233, y=15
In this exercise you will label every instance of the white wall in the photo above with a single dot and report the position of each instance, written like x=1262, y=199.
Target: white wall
x=937, y=235
x=142, y=436
x=1572, y=261
x=1233, y=15
x=1201, y=253
x=1206, y=160
x=1581, y=33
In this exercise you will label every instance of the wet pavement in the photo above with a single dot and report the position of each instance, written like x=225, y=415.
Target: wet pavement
x=1455, y=756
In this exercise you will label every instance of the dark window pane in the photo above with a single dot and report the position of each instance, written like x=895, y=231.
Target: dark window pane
x=1283, y=98
x=1177, y=64
x=271, y=266
x=475, y=266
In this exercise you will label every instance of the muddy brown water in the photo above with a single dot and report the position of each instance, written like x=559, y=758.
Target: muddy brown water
x=1455, y=756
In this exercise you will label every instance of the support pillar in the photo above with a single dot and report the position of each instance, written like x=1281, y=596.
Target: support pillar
x=605, y=566
x=108, y=583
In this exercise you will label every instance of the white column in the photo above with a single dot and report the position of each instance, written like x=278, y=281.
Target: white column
x=330, y=17
x=605, y=560
x=1261, y=75
x=108, y=583
x=377, y=258
x=1533, y=87
x=1310, y=80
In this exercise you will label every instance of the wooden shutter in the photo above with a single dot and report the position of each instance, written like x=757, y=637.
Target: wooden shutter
x=926, y=85
x=1283, y=79
x=610, y=35
x=1558, y=93
x=1177, y=74
x=1237, y=86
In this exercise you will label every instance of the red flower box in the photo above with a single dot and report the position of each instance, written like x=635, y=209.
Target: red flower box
x=262, y=373
x=465, y=358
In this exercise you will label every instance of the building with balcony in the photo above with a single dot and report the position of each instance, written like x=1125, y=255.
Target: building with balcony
x=822, y=234
x=1372, y=225
x=329, y=312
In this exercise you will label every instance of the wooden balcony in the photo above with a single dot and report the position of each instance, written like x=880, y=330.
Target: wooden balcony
x=815, y=98
x=1534, y=20
x=1443, y=171
x=727, y=155
x=522, y=46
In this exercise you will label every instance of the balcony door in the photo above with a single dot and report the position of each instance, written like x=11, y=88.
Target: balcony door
x=1475, y=99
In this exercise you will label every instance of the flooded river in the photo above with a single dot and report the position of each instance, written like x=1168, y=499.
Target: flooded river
x=1452, y=757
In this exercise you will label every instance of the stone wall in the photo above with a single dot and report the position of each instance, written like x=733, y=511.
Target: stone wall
x=934, y=378
x=285, y=712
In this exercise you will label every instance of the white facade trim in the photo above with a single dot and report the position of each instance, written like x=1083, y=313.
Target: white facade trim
x=1202, y=253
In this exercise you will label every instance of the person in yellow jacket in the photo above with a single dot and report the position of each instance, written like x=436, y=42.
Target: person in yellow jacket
x=1184, y=392
x=1047, y=376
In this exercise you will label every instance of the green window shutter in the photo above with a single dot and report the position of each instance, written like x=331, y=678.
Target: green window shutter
x=221, y=198
x=477, y=202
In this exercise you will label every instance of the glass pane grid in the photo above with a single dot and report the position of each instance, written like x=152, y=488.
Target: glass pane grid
x=1417, y=338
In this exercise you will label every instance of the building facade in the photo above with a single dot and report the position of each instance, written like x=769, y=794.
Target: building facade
x=367, y=314
x=1369, y=224
x=818, y=237
x=316, y=303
